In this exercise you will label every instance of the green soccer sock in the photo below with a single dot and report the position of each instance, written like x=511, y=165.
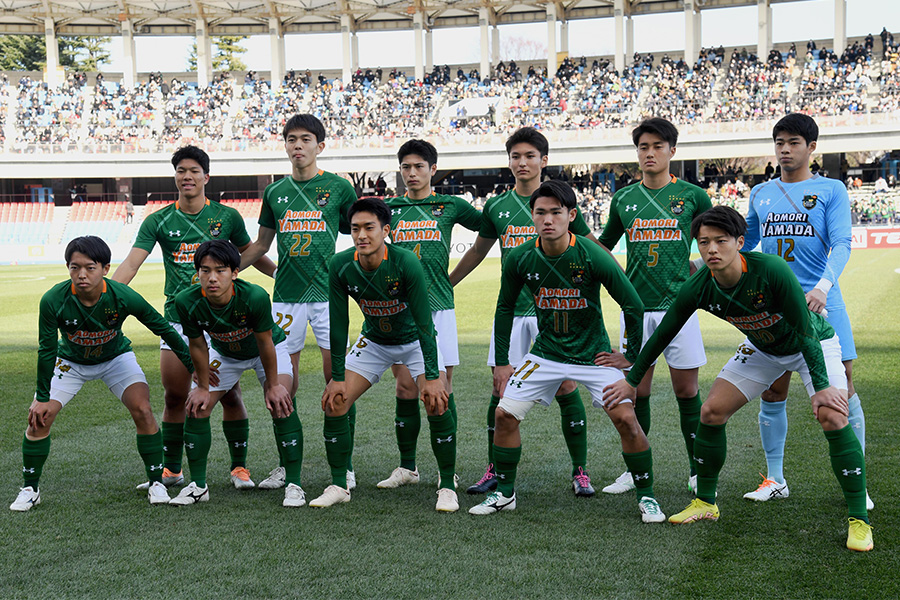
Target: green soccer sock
x=689, y=410
x=574, y=427
x=173, y=445
x=34, y=455
x=351, y=419
x=197, y=440
x=507, y=462
x=642, y=412
x=709, y=454
x=237, y=433
x=451, y=406
x=337, y=447
x=443, y=444
x=849, y=467
x=150, y=447
x=495, y=402
x=640, y=464
x=289, y=440
x=407, y=424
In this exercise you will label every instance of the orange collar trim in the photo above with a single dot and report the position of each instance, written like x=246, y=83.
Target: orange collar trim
x=743, y=266
x=233, y=292
x=178, y=207
x=431, y=195
x=103, y=291
x=537, y=241
x=356, y=254
x=672, y=179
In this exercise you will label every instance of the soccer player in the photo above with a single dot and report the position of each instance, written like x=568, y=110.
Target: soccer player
x=656, y=215
x=305, y=212
x=563, y=274
x=179, y=229
x=760, y=295
x=237, y=316
x=88, y=312
x=422, y=221
x=390, y=287
x=805, y=219
x=507, y=217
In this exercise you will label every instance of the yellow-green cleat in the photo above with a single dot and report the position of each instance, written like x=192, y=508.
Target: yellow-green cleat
x=697, y=510
x=859, y=537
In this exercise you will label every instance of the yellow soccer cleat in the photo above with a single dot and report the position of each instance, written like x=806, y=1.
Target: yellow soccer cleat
x=697, y=510
x=859, y=537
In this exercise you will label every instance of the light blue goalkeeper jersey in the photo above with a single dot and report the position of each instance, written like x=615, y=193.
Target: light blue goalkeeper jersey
x=808, y=225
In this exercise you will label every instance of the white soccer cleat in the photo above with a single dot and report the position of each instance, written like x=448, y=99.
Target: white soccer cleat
x=869, y=504
x=240, y=477
x=399, y=476
x=623, y=483
x=650, y=510
x=274, y=481
x=27, y=498
x=455, y=481
x=191, y=494
x=333, y=494
x=157, y=493
x=447, y=501
x=351, y=480
x=294, y=496
x=769, y=489
x=692, y=484
x=494, y=503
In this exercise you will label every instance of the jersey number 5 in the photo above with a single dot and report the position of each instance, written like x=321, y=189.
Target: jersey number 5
x=653, y=251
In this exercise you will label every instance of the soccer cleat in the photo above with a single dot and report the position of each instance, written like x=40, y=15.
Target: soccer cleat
x=869, y=504
x=351, y=480
x=455, y=480
x=692, y=484
x=170, y=478
x=27, y=498
x=581, y=483
x=294, y=496
x=191, y=494
x=859, y=537
x=274, y=481
x=487, y=483
x=399, y=476
x=447, y=501
x=650, y=510
x=494, y=503
x=769, y=489
x=157, y=493
x=333, y=494
x=623, y=483
x=240, y=477
x=697, y=510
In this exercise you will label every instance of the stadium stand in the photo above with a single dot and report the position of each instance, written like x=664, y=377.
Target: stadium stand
x=25, y=222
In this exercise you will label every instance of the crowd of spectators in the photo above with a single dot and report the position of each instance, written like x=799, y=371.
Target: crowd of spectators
x=889, y=99
x=753, y=89
x=680, y=93
x=49, y=115
x=875, y=205
x=832, y=85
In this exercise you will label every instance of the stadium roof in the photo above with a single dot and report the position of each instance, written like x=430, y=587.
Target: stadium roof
x=248, y=17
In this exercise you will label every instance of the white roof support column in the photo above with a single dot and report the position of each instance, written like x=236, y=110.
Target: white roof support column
x=551, y=39
x=354, y=51
x=484, y=18
x=629, y=37
x=346, y=50
x=204, y=52
x=619, y=15
x=690, y=36
x=129, y=63
x=52, y=77
x=276, y=42
x=564, y=36
x=418, y=26
x=840, y=26
x=429, y=51
x=495, y=46
x=698, y=29
x=765, y=30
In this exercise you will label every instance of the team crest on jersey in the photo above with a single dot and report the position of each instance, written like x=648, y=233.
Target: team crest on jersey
x=112, y=319
x=809, y=201
x=577, y=276
x=758, y=302
x=215, y=229
x=437, y=210
x=393, y=288
x=677, y=206
x=242, y=320
x=322, y=198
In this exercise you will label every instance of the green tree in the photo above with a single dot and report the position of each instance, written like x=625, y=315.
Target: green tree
x=29, y=52
x=84, y=52
x=226, y=56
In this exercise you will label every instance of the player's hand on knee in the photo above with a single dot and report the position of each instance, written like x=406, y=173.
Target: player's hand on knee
x=614, y=359
x=197, y=402
x=831, y=398
x=434, y=396
x=334, y=395
x=815, y=300
x=502, y=373
x=617, y=392
x=278, y=401
x=39, y=414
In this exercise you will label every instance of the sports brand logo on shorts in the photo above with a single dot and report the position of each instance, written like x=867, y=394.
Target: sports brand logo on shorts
x=437, y=210
x=577, y=276
x=758, y=302
x=809, y=201
x=215, y=229
x=393, y=288
x=322, y=198
x=677, y=206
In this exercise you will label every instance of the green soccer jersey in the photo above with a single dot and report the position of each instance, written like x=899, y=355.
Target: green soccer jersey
x=425, y=227
x=393, y=299
x=565, y=290
x=179, y=235
x=507, y=217
x=93, y=334
x=306, y=217
x=767, y=304
x=657, y=226
x=231, y=327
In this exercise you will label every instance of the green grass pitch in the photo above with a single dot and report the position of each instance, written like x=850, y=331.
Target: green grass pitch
x=94, y=536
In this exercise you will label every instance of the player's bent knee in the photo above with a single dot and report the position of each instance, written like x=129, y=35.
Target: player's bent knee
x=232, y=397
x=831, y=420
x=773, y=396
x=567, y=387
x=710, y=414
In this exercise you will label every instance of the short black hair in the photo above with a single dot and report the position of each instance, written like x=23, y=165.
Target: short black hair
x=306, y=122
x=797, y=124
x=658, y=126
x=721, y=217
x=529, y=135
x=553, y=188
x=371, y=204
x=194, y=153
x=91, y=246
x=222, y=251
x=420, y=148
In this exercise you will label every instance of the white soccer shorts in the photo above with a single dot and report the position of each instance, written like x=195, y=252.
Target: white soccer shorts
x=448, y=343
x=293, y=317
x=685, y=351
x=371, y=360
x=752, y=371
x=524, y=331
x=231, y=369
x=177, y=327
x=117, y=373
